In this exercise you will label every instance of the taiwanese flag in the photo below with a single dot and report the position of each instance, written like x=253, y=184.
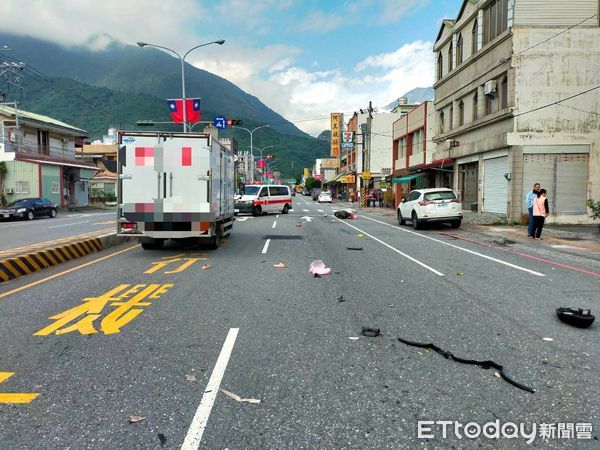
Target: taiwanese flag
x=192, y=109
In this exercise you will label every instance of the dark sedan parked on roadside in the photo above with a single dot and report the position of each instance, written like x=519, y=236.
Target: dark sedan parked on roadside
x=28, y=208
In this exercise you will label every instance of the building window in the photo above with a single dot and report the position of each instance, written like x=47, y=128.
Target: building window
x=450, y=59
x=504, y=93
x=495, y=19
x=417, y=142
x=55, y=187
x=459, y=50
x=440, y=66
x=43, y=142
x=489, y=104
x=22, y=187
x=451, y=118
x=475, y=106
x=461, y=113
x=402, y=148
x=442, y=128
x=474, y=37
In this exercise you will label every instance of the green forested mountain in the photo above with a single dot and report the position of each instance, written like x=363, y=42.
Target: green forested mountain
x=124, y=84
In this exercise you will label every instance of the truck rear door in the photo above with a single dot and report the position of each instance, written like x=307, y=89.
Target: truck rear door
x=163, y=178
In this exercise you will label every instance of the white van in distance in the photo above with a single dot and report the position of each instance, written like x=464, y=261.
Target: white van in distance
x=258, y=199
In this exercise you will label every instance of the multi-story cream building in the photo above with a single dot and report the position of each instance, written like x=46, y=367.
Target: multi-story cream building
x=245, y=166
x=517, y=101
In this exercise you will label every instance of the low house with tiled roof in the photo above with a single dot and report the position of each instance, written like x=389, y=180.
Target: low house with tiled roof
x=39, y=154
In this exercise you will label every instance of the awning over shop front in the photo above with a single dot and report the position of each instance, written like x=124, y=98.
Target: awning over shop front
x=407, y=179
x=337, y=178
x=59, y=163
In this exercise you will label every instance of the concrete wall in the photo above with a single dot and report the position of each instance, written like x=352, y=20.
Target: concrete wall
x=22, y=171
x=50, y=179
x=430, y=131
x=381, y=141
x=557, y=69
x=554, y=12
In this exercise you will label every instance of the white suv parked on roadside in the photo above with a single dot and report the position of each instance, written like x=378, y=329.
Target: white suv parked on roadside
x=430, y=205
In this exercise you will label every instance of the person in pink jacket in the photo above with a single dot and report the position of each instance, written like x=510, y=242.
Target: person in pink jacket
x=540, y=212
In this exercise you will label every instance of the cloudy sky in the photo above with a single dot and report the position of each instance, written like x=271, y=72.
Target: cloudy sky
x=302, y=58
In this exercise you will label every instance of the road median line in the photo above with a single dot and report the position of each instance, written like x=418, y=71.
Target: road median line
x=26, y=263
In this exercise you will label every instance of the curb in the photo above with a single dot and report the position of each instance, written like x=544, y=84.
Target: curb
x=28, y=263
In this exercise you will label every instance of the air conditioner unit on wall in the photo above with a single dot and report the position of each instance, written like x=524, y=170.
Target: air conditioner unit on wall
x=9, y=191
x=489, y=88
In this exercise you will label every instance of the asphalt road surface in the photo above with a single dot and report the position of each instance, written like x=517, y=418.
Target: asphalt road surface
x=130, y=348
x=17, y=233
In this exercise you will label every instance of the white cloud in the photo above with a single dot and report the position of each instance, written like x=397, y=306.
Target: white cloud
x=318, y=21
x=300, y=94
x=271, y=73
x=382, y=12
x=69, y=22
x=393, y=10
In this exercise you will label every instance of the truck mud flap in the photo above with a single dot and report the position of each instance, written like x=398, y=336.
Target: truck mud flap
x=226, y=226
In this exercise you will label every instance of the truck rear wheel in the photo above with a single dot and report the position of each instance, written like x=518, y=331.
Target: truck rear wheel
x=154, y=244
x=213, y=242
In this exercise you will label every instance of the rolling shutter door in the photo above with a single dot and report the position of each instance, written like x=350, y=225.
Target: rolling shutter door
x=538, y=168
x=495, y=188
x=571, y=183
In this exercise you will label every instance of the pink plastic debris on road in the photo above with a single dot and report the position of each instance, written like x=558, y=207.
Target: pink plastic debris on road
x=317, y=268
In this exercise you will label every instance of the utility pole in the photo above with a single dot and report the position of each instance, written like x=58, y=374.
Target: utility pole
x=366, y=148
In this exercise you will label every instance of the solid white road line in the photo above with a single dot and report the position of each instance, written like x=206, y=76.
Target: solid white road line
x=274, y=224
x=440, y=274
x=198, y=425
x=514, y=266
x=266, y=247
x=69, y=224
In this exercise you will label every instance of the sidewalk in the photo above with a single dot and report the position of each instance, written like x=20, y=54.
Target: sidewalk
x=567, y=238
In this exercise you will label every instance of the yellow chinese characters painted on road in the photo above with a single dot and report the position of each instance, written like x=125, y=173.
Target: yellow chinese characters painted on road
x=161, y=264
x=14, y=397
x=125, y=300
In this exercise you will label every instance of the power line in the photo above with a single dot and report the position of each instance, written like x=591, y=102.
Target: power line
x=557, y=102
x=580, y=110
x=555, y=35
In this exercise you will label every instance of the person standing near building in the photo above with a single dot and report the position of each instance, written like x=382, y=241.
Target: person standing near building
x=529, y=198
x=540, y=212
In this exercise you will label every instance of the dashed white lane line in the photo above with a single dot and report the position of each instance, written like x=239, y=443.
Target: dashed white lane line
x=514, y=266
x=274, y=224
x=69, y=224
x=198, y=425
x=320, y=210
x=431, y=269
x=266, y=247
x=277, y=216
x=305, y=210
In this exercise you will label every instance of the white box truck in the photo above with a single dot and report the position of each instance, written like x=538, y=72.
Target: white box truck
x=174, y=186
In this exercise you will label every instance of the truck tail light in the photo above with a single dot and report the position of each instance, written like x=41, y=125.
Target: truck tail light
x=129, y=227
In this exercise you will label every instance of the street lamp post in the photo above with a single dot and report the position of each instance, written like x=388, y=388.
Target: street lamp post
x=261, y=155
x=251, y=133
x=182, y=60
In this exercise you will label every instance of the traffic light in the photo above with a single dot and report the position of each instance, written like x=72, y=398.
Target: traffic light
x=233, y=122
